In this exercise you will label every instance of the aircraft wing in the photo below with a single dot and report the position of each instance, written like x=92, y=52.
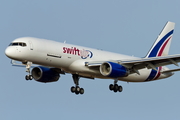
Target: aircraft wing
x=152, y=62
x=137, y=64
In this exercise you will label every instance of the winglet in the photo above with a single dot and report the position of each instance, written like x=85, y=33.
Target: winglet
x=163, y=42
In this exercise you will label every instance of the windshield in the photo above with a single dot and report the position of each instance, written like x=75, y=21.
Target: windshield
x=18, y=44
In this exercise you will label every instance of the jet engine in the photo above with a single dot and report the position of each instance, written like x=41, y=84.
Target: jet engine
x=43, y=74
x=113, y=70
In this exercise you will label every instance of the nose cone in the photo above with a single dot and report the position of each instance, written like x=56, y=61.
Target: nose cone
x=9, y=52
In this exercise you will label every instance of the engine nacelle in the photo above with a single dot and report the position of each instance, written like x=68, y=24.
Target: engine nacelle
x=113, y=70
x=43, y=74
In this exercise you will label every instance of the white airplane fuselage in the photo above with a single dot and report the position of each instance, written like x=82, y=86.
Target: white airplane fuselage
x=72, y=58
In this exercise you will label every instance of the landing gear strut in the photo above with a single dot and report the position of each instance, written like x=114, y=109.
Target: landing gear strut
x=28, y=66
x=76, y=89
x=115, y=87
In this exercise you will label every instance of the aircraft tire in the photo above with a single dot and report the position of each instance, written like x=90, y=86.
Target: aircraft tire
x=77, y=92
x=111, y=87
x=120, y=88
x=27, y=77
x=81, y=91
x=30, y=77
x=115, y=88
x=73, y=89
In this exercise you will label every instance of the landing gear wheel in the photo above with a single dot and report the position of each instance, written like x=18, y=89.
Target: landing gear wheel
x=27, y=77
x=120, y=88
x=81, y=91
x=77, y=90
x=111, y=87
x=30, y=77
x=73, y=89
x=115, y=88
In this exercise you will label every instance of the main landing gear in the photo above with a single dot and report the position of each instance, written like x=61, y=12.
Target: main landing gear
x=76, y=89
x=28, y=66
x=115, y=87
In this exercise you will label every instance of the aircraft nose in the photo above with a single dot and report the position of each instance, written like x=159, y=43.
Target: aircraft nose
x=9, y=52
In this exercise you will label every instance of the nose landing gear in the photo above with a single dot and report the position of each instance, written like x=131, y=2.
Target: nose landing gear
x=28, y=77
x=28, y=66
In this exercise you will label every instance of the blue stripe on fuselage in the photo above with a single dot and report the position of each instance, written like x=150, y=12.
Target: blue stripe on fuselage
x=152, y=75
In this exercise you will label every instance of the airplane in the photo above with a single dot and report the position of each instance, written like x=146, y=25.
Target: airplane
x=48, y=59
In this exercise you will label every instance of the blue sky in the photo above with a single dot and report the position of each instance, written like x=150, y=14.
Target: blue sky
x=127, y=27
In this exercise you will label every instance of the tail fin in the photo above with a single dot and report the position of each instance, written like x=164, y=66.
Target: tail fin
x=163, y=42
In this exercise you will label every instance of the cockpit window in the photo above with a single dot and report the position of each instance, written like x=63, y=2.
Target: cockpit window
x=22, y=44
x=18, y=44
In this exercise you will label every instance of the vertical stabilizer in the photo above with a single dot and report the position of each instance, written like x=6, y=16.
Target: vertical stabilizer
x=163, y=42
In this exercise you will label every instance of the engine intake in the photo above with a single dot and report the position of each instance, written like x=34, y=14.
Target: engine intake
x=113, y=70
x=43, y=74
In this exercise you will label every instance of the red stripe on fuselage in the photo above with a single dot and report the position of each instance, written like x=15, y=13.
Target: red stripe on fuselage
x=159, y=73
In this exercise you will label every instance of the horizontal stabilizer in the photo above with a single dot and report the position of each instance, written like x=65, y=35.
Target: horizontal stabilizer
x=172, y=70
